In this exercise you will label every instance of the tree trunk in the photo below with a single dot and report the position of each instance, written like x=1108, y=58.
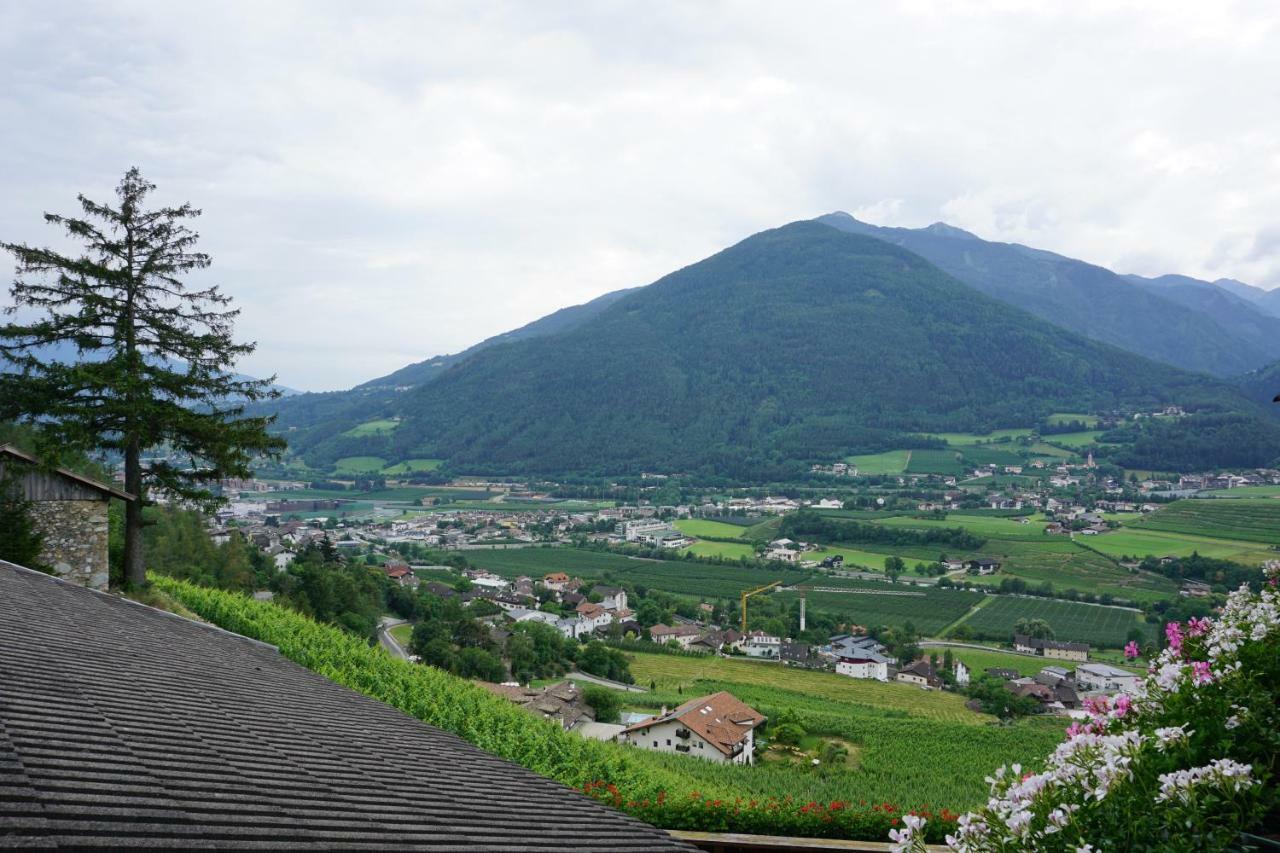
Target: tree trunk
x=135, y=569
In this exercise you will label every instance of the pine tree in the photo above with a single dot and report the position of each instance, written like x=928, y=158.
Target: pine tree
x=20, y=541
x=153, y=377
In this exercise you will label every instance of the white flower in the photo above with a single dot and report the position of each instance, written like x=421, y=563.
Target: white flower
x=1233, y=722
x=1170, y=736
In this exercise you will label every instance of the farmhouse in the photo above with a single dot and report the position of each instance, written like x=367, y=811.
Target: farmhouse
x=682, y=634
x=1051, y=648
x=920, y=673
x=70, y=513
x=983, y=566
x=758, y=644
x=157, y=732
x=716, y=727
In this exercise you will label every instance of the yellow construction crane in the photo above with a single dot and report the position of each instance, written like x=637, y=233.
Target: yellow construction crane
x=750, y=593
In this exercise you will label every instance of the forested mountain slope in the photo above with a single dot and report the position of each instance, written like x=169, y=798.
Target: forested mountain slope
x=1083, y=298
x=800, y=342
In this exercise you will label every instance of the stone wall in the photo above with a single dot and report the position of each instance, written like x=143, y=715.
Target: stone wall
x=75, y=540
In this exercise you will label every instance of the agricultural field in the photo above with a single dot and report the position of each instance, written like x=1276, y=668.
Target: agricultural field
x=359, y=465
x=696, y=580
x=378, y=427
x=1246, y=492
x=889, y=462
x=853, y=557
x=984, y=526
x=908, y=745
x=1139, y=542
x=409, y=466
x=984, y=454
x=935, y=462
x=1068, y=565
x=869, y=603
x=1082, y=623
x=705, y=527
x=1048, y=450
x=683, y=671
x=1250, y=520
x=402, y=634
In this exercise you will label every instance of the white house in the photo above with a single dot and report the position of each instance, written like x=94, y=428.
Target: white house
x=961, y=673
x=716, y=728
x=758, y=644
x=1103, y=676
x=642, y=528
x=860, y=657
x=594, y=615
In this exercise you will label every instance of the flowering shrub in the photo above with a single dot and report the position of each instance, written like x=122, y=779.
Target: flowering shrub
x=1188, y=764
x=773, y=816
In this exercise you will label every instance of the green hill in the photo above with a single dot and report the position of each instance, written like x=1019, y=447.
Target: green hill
x=803, y=342
x=1163, y=319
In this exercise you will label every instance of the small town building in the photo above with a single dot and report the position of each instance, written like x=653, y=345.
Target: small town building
x=718, y=728
x=1107, y=678
x=1051, y=648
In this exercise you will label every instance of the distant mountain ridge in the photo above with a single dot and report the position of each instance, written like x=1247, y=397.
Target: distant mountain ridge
x=1173, y=324
x=802, y=342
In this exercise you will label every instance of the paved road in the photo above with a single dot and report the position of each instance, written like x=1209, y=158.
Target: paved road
x=389, y=642
x=604, y=682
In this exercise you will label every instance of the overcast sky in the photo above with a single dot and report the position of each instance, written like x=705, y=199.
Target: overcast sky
x=383, y=182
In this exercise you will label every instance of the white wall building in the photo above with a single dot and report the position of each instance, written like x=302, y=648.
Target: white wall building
x=715, y=728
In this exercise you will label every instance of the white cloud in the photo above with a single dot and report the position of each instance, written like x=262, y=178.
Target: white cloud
x=386, y=184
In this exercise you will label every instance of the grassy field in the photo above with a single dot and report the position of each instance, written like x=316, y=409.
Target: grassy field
x=1139, y=542
x=409, y=466
x=990, y=454
x=706, y=527
x=378, y=427
x=1082, y=623
x=727, y=550
x=889, y=462
x=1251, y=520
x=1068, y=417
x=1042, y=449
x=359, y=465
x=959, y=439
x=1074, y=439
x=935, y=462
x=402, y=634
x=979, y=659
x=853, y=557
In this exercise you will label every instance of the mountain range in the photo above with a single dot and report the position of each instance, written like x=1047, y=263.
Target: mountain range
x=805, y=342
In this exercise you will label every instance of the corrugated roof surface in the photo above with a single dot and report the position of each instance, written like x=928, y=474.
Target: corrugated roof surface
x=125, y=727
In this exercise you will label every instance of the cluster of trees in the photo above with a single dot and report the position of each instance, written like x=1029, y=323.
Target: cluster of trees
x=176, y=543
x=806, y=524
x=1196, y=443
x=323, y=585
x=989, y=692
x=1225, y=574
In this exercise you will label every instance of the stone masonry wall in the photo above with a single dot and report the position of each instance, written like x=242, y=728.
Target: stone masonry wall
x=75, y=540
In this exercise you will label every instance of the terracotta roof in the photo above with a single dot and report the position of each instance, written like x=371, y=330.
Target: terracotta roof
x=720, y=719
x=172, y=734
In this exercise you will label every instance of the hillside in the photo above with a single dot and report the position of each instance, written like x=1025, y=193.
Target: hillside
x=322, y=416
x=1085, y=299
x=802, y=342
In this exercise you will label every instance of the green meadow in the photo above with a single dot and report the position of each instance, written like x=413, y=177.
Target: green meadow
x=889, y=462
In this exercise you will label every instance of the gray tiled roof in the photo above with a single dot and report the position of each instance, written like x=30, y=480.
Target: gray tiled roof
x=125, y=727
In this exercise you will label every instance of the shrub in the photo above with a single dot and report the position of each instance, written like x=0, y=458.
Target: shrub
x=1190, y=764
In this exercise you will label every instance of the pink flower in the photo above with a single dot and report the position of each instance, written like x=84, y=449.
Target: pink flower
x=1173, y=632
x=1200, y=672
x=1131, y=650
x=1073, y=730
x=1123, y=702
x=1197, y=627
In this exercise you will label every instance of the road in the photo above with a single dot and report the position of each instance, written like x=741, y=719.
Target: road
x=603, y=682
x=389, y=642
